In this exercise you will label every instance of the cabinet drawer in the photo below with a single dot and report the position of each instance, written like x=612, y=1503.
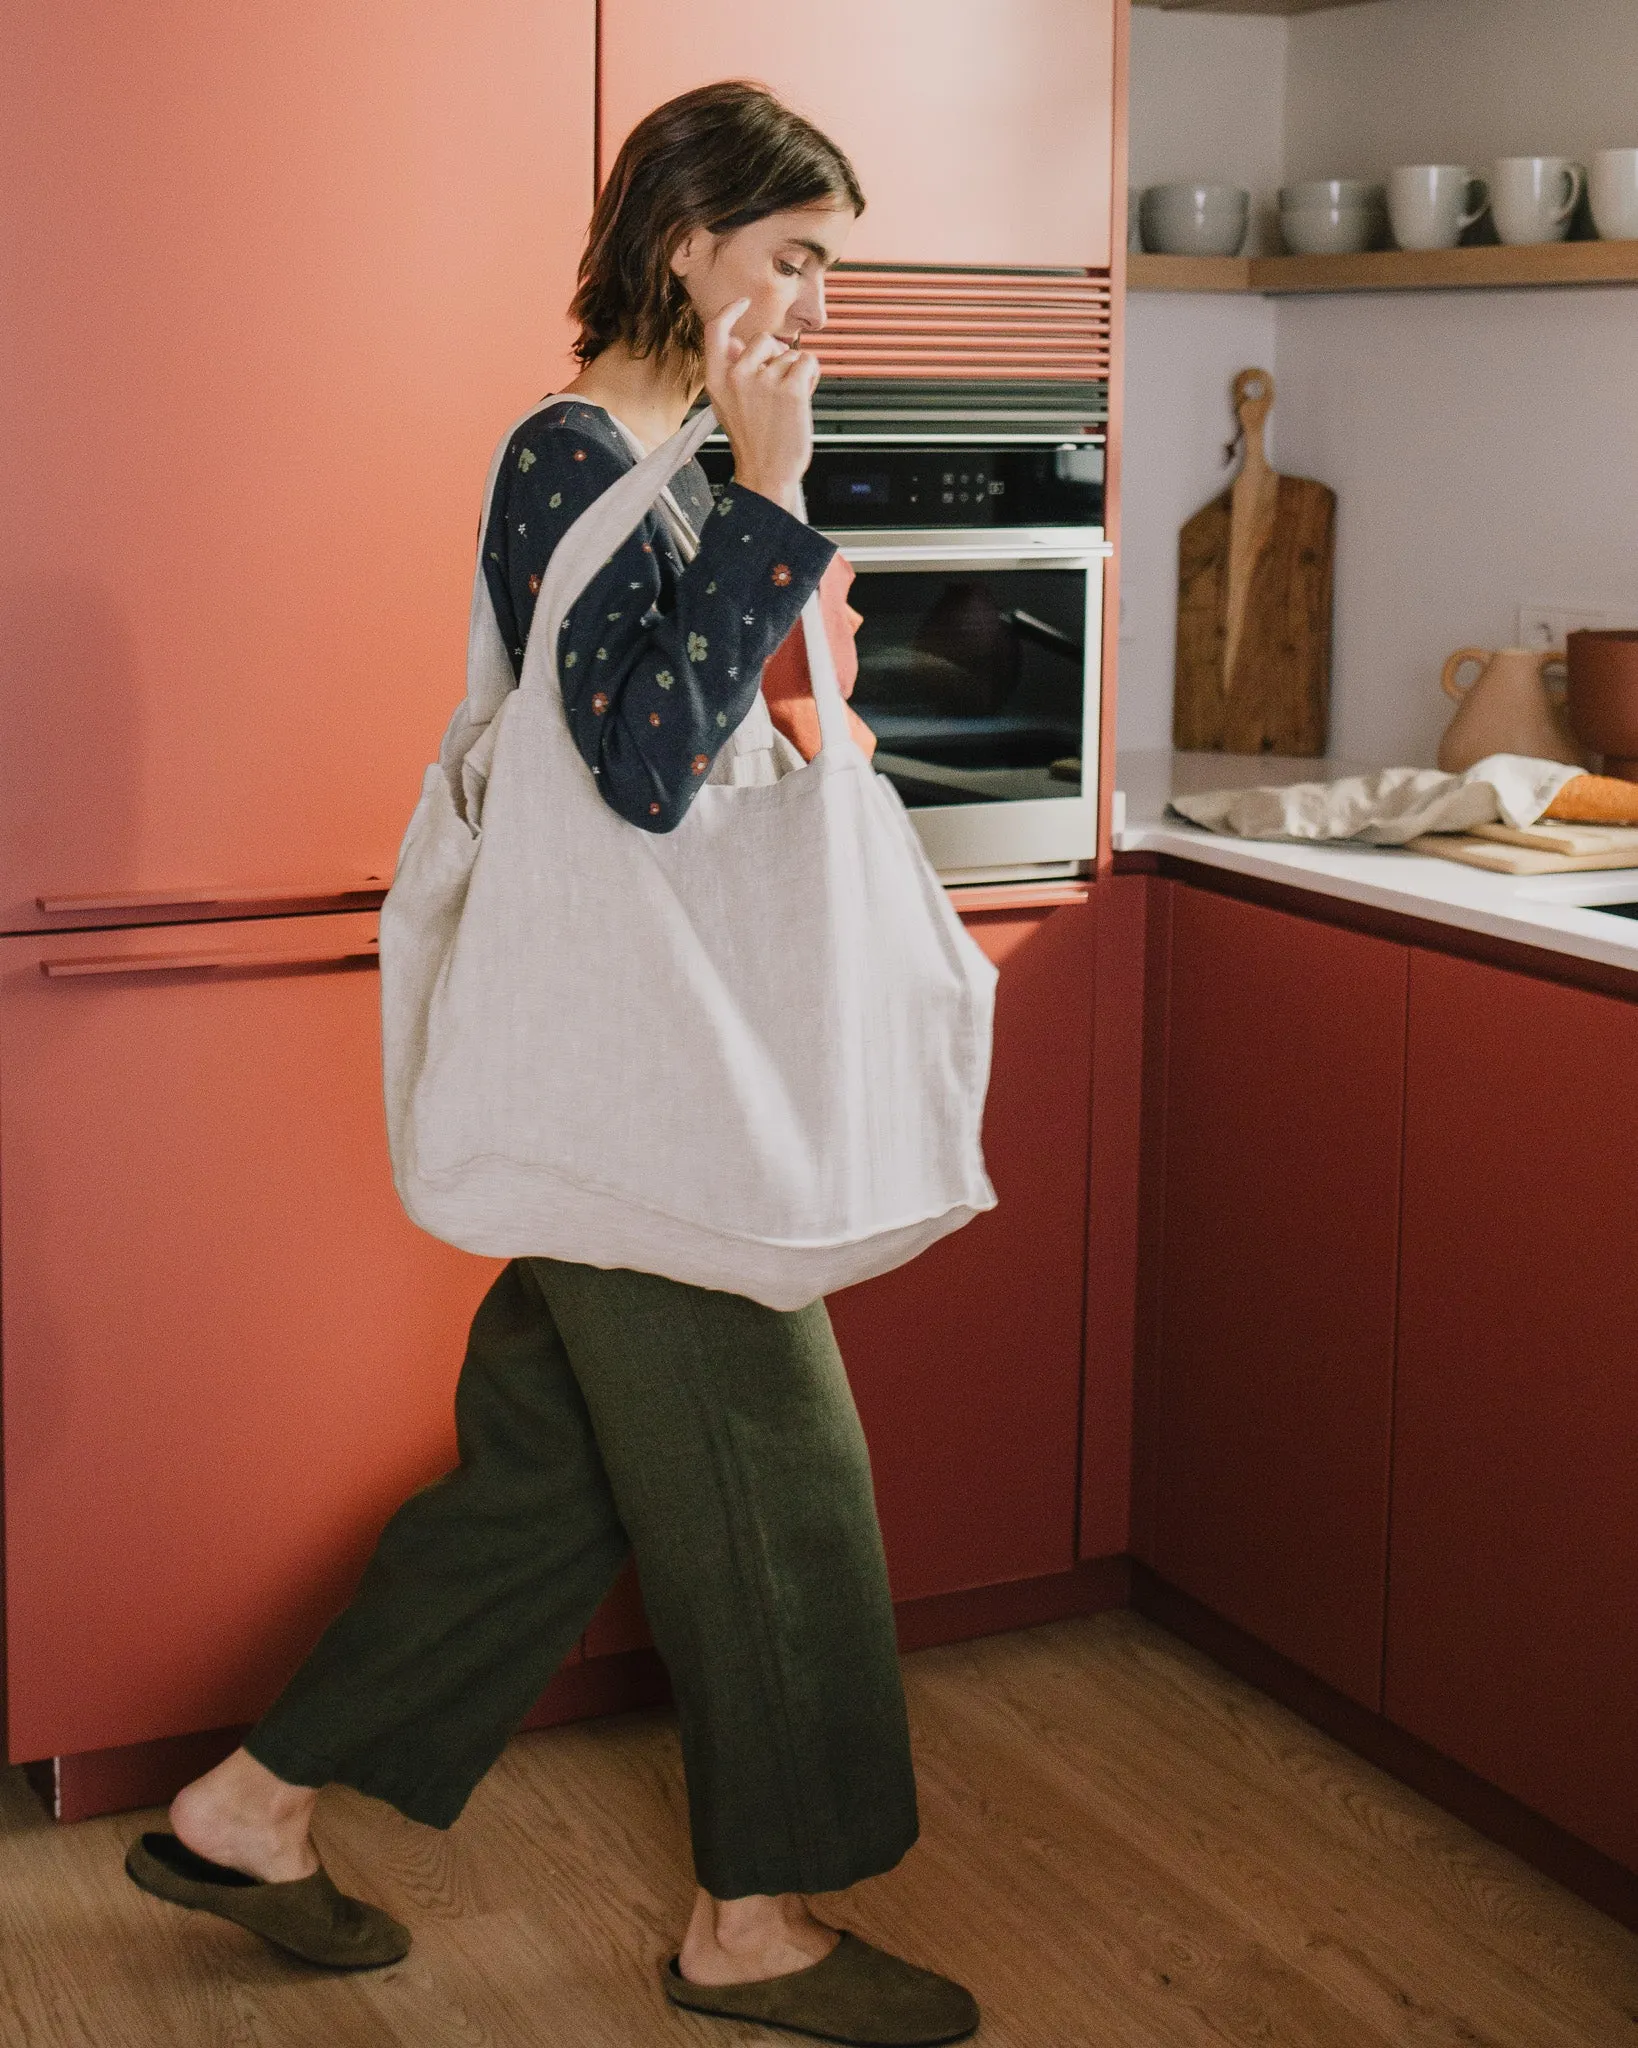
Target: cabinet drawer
x=228, y=1354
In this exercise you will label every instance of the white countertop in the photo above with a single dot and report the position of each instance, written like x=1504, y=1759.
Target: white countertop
x=1537, y=910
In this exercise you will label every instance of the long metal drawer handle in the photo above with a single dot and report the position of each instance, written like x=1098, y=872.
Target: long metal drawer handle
x=370, y=888
x=203, y=963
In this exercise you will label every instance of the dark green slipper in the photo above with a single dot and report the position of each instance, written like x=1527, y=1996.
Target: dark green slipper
x=307, y=1916
x=857, y=1994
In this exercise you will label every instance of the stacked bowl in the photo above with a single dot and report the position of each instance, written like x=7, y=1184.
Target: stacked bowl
x=1333, y=216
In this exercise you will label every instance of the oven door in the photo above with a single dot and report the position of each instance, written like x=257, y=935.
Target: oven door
x=979, y=673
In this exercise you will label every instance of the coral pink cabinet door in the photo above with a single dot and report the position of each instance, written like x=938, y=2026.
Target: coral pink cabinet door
x=981, y=129
x=227, y=1353
x=966, y=1363
x=1512, y=1622
x=1284, y=1089
x=276, y=280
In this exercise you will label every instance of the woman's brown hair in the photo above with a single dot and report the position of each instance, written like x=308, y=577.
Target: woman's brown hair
x=718, y=157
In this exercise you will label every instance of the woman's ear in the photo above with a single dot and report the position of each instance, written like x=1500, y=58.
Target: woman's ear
x=691, y=250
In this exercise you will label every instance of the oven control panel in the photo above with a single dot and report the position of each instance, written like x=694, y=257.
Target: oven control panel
x=880, y=485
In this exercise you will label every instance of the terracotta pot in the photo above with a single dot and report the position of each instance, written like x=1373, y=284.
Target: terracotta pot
x=1603, y=700
x=1508, y=709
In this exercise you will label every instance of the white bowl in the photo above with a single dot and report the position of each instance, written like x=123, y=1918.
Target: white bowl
x=1194, y=220
x=1333, y=192
x=1343, y=227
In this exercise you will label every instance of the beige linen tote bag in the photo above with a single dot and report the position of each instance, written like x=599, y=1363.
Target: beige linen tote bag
x=750, y=1054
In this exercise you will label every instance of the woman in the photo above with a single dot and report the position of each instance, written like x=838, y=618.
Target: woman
x=604, y=1411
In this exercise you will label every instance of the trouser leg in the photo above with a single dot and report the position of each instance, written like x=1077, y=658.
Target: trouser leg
x=479, y=1587
x=740, y=1472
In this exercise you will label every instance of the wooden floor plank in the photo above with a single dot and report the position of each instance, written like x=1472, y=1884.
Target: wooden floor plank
x=1120, y=1844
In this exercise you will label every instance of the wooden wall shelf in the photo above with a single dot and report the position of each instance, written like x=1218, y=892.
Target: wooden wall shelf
x=1389, y=270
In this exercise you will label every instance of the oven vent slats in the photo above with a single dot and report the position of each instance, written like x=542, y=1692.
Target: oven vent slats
x=965, y=323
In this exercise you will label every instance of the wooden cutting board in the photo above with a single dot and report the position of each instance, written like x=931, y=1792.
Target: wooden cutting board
x=1506, y=851
x=1254, y=605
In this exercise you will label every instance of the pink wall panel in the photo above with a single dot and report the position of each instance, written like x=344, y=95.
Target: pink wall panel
x=275, y=282
x=980, y=129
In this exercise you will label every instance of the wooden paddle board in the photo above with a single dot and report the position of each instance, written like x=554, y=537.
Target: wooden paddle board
x=1253, y=669
x=1502, y=859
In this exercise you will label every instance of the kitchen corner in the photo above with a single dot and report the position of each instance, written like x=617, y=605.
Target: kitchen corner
x=1555, y=915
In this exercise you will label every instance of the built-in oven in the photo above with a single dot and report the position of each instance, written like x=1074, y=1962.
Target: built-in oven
x=973, y=516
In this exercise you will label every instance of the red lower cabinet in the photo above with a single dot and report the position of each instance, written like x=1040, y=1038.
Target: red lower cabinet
x=228, y=1354
x=1273, y=1358
x=966, y=1363
x=1513, y=1591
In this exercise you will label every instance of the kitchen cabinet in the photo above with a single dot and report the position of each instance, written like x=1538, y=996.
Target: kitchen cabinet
x=277, y=285
x=966, y=1363
x=1284, y=1047
x=1512, y=1642
x=228, y=1354
x=981, y=130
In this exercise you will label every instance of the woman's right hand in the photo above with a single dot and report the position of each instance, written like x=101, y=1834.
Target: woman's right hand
x=762, y=392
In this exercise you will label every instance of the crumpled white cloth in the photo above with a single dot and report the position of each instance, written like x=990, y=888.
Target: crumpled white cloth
x=1388, y=808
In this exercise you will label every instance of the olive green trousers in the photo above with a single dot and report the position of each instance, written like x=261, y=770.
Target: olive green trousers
x=600, y=1413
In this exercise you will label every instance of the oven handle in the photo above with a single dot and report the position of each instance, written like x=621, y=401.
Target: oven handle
x=889, y=556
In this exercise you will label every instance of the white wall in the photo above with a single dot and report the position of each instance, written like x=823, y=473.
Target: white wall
x=1458, y=81
x=1207, y=104
x=1483, y=445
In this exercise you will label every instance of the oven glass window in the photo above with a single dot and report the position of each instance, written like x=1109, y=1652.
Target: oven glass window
x=973, y=683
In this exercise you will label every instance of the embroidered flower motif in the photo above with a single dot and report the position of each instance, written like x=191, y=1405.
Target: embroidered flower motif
x=635, y=586
x=653, y=810
x=745, y=536
x=665, y=679
x=781, y=574
x=602, y=654
x=722, y=718
x=697, y=646
x=748, y=618
x=526, y=461
x=600, y=701
x=493, y=556
x=570, y=658
x=534, y=586
x=654, y=718
x=521, y=527
x=710, y=590
x=554, y=501
x=700, y=763
x=612, y=617
x=725, y=505
x=733, y=671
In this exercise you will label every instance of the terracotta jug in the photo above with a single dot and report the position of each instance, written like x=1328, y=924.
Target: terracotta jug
x=1507, y=709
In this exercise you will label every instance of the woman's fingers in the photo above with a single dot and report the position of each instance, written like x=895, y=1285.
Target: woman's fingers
x=722, y=345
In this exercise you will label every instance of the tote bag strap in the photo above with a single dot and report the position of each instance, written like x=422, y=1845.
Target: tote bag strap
x=594, y=538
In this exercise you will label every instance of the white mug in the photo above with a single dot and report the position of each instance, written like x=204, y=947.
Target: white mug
x=1532, y=197
x=1430, y=204
x=1613, y=190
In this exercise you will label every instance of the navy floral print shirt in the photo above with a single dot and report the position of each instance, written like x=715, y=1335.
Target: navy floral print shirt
x=659, y=660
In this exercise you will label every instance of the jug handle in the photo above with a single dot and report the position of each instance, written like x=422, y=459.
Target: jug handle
x=1448, y=683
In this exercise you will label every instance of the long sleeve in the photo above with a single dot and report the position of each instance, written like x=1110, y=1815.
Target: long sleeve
x=658, y=661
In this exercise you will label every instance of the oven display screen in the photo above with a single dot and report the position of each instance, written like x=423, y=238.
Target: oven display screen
x=856, y=487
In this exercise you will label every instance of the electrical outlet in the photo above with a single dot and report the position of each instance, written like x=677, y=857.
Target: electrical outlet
x=1545, y=625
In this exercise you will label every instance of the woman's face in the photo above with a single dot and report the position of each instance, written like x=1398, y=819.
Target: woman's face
x=778, y=263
